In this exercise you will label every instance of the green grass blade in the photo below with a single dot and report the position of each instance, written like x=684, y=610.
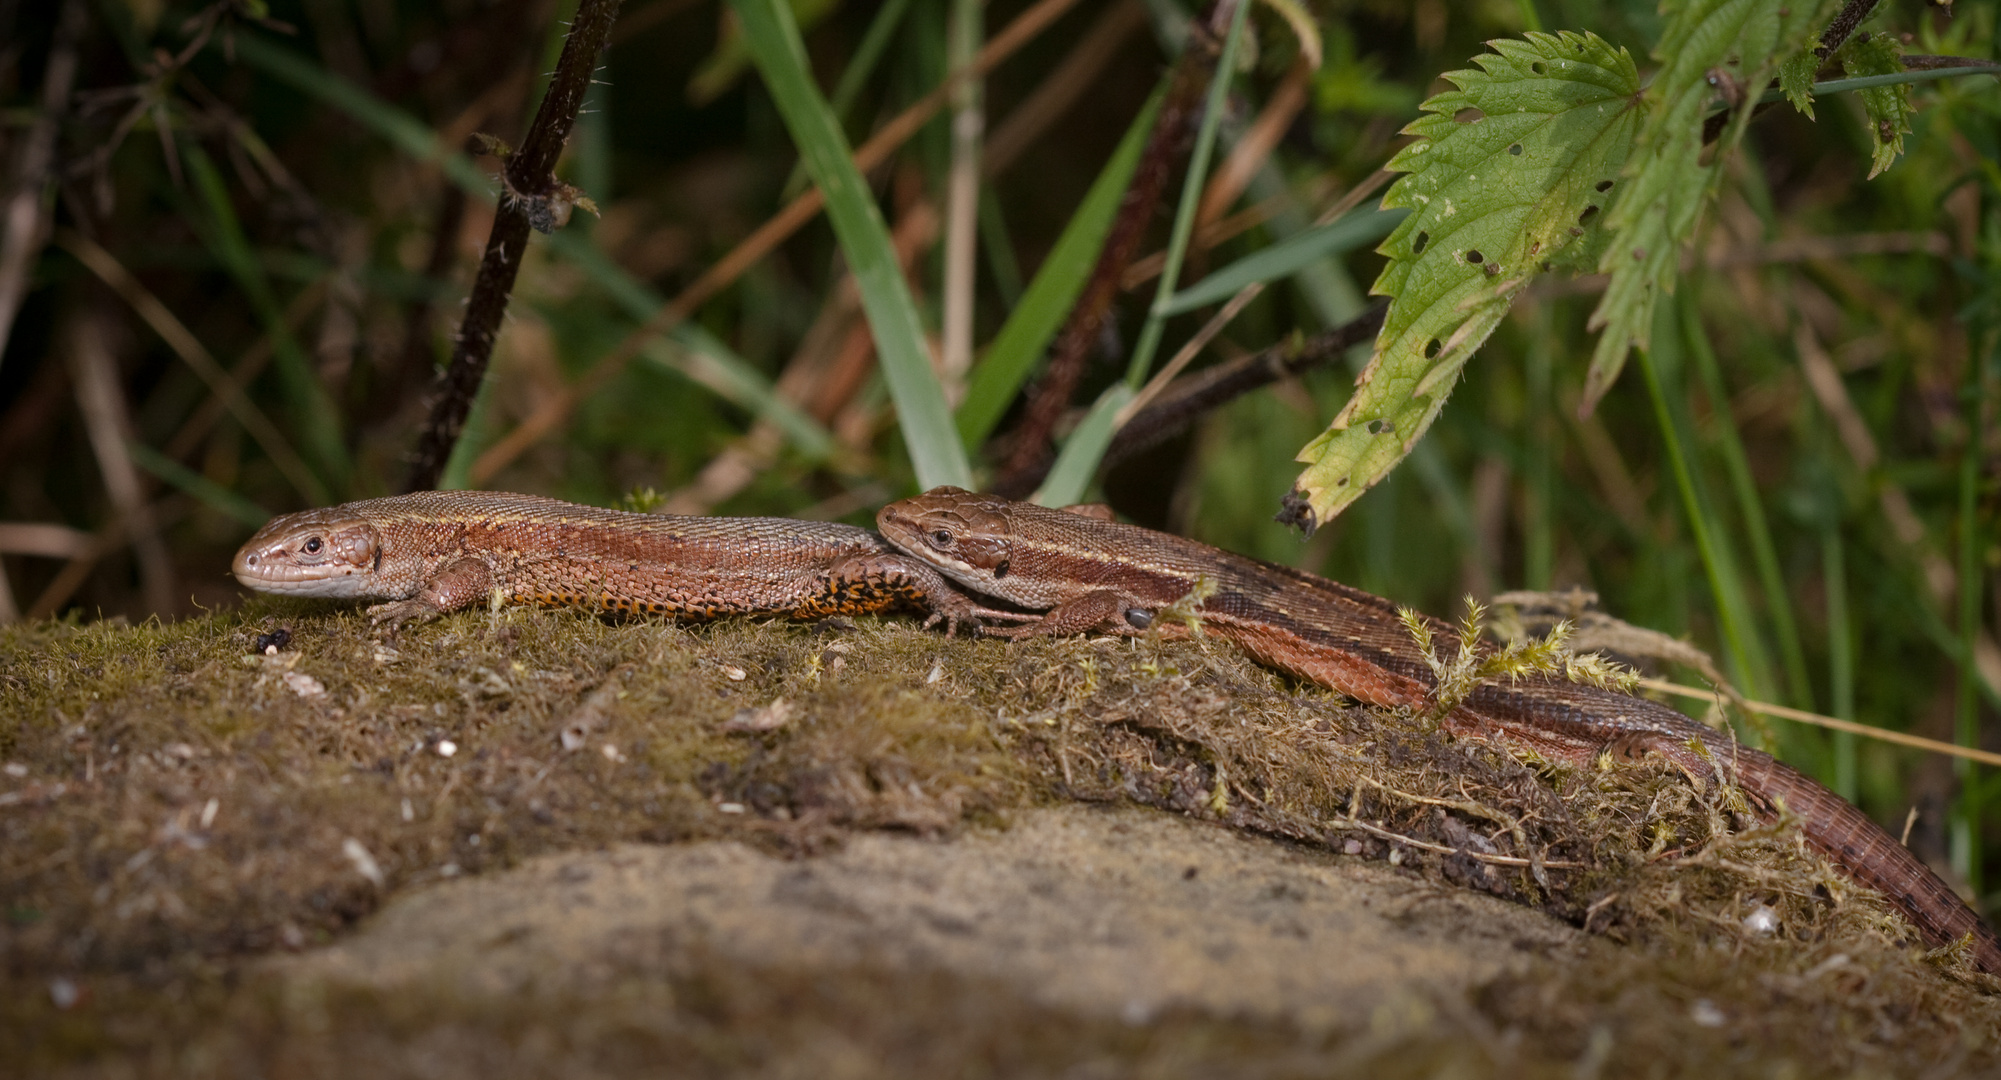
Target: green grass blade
x=1078, y=461
x=1966, y=853
x=928, y=432
x=1741, y=643
x=999, y=248
x=1191, y=201
x=1285, y=258
x=1071, y=476
x=881, y=30
x=1751, y=507
x=405, y=132
x=999, y=375
x=695, y=353
x=312, y=409
x=1539, y=516
x=1840, y=656
x=1900, y=78
x=205, y=491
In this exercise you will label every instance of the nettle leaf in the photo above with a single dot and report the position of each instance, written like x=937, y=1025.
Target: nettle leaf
x=1796, y=74
x=1888, y=107
x=1711, y=50
x=1511, y=169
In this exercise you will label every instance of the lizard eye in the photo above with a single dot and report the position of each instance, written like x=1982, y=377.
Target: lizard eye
x=941, y=538
x=313, y=546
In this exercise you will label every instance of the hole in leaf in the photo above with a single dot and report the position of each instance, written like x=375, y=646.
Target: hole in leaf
x=1604, y=185
x=1475, y=257
x=1417, y=245
x=1537, y=67
x=1516, y=150
x=1469, y=116
x=1589, y=213
x=1431, y=349
x=1381, y=427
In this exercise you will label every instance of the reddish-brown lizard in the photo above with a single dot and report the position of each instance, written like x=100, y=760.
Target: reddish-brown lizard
x=1093, y=574
x=439, y=551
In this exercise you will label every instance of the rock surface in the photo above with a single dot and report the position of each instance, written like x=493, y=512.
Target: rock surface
x=1120, y=913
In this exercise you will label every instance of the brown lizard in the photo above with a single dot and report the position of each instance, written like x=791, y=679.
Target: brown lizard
x=1093, y=574
x=434, y=552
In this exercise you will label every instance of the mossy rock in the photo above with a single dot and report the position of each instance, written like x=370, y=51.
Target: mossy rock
x=776, y=848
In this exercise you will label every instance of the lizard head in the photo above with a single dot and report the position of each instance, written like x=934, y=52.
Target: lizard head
x=964, y=534
x=312, y=553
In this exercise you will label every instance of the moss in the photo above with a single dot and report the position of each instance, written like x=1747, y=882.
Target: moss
x=186, y=807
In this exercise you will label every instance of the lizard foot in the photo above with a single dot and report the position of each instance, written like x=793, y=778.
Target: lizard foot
x=398, y=612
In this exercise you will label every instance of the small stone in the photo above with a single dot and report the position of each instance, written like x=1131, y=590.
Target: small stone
x=761, y=719
x=364, y=863
x=1705, y=1014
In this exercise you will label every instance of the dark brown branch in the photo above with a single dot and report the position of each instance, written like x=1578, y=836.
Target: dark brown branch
x=1187, y=399
x=531, y=197
x=1029, y=457
x=1929, y=62
x=1844, y=24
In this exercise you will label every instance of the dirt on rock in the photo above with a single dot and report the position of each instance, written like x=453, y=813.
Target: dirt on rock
x=1116, y=914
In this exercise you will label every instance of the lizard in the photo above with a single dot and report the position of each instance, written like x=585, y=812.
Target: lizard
x=1087, y=573
x=429, y=553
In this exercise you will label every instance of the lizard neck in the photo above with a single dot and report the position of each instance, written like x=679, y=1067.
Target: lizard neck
x=1056, y=556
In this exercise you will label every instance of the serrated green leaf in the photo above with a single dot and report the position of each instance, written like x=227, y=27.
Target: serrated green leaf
x=1493, y=198
x=1888, y=107
x=1710, y=50
x=1796, y=77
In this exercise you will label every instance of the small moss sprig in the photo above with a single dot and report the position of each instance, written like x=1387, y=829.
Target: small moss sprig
x=1188, y=610
x=1546, y=655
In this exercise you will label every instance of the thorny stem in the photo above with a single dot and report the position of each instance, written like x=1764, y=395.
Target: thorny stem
x=1844, y=24
x=530, y=190
x=1845, y=21
x=1029, y=457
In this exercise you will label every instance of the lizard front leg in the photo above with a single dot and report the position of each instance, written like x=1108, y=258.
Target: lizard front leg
x=1103, y=609
x=872, y=582
x=458, y=585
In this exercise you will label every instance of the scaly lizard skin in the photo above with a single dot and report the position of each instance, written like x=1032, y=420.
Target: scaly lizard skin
x=1090, y=574
x=439, y=551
